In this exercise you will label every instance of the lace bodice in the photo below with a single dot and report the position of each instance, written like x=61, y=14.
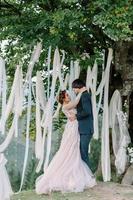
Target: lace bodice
x=69, y=113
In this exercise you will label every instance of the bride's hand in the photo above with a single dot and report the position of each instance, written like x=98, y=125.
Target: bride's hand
x=72, y=117
x=83, y=90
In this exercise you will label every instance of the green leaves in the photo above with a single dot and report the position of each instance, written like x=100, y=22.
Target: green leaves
x=115, y=19
x=75, y=26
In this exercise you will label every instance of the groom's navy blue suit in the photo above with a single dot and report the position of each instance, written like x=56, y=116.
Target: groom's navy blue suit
x=85, y=120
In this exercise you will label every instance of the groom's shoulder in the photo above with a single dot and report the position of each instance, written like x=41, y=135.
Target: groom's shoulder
x=86, y=94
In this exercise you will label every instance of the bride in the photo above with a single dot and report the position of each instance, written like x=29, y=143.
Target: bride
x=67, y=172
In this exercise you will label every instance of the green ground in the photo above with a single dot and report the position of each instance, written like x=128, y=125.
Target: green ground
x=103, y=191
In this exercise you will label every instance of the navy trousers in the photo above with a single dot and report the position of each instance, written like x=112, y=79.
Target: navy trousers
x=84, y=145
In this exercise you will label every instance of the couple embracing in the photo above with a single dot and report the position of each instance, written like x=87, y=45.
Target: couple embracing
x=69, y=170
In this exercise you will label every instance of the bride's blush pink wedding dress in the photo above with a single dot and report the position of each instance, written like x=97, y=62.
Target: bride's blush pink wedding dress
x=67, y=172
x=5, y=186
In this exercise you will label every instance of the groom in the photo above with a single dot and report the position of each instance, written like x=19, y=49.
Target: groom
x=85, y=118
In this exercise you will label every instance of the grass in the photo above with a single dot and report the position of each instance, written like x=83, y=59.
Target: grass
x=103, y=191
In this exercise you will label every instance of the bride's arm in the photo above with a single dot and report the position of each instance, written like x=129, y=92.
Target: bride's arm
x=74, y=103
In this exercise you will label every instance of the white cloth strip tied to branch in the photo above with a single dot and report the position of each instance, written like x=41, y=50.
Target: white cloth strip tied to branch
x=63, y=86
x=120, y=135
x=94, y=103
x=48, y=64
x=44, y=125
x=115, y=107
x=76, y=69
x=91, y=83
x=18, y=101
x=27, y=133
x=47, y=118
x=40, y=103
x=8, y=138
x=5, y=186
x=89, y=79
x=28, y=85
x=56, y=69
x=60, y=75
x=13, y=101
x=100, y=96
x=74, y=74
x=105, y=152
x=34, y=58
x=57, y=65
x=3, y=90
x=65, y=83
x=71, y=78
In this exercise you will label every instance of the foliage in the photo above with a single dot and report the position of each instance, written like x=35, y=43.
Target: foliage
x=75, y=26
x=33, y=124
x=59, y=122
x=15, y=177
x=31, y=176
x=115, y=18
x=95, y=148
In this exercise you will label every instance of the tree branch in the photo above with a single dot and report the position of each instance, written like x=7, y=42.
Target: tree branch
x=9, y=7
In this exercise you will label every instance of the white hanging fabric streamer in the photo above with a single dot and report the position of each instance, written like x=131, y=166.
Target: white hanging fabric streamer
x=91, y=82
x=28, y=84
x=18, y=100
x=105, y=151
x=71, y=79
x=40, y=103
x=5, y=186
x=34, y=58
x=3, y=89
x=89, y=79
x=65, y=83
x=76, y=69
x=27, y=134
x=62, y=85
x=120, y=135
x=15, y=99
x=94, y=105
x=56, y=68
x=47, y=117
x=11, y=106
x=48, y=63
x=8, y=139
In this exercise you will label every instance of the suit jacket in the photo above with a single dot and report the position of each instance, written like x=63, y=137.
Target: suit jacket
x=85, y=114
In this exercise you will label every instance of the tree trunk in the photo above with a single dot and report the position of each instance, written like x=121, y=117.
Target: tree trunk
x=128, y=177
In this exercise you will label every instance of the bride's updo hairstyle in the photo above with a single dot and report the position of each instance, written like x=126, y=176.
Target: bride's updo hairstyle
x=61, y=96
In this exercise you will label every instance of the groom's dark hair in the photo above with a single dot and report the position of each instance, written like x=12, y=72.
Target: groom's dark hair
x=78, y=84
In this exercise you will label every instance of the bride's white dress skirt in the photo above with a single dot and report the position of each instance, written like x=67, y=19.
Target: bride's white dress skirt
x=5, y=187
x=67, y=172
